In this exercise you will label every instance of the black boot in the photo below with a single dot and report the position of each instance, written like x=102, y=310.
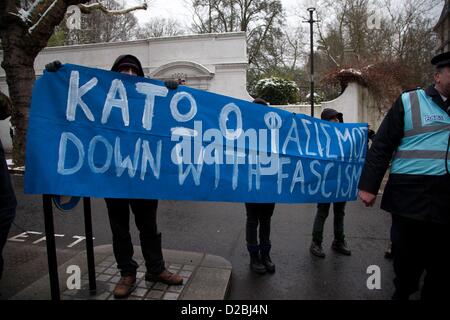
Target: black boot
x=265, y=258
x=316, y=249
x=340, y=246
x=255, y=261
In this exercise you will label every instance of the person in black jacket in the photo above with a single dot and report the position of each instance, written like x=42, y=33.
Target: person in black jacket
x=145, y=212
x=8, y=201
x=415, y=135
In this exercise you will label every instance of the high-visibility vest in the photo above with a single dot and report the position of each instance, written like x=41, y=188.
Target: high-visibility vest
x=424, y=149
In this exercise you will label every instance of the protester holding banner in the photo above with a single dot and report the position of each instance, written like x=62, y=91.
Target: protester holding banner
x=339, y=244
x=259, y=213
x=415, y=136
x=144, y=210
x=8, y=201
x=145, y=217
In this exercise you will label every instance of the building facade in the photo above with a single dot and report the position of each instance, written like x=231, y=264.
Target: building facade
x=212, y=62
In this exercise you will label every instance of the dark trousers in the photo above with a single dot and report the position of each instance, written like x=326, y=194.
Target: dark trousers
x=258, y=213
x=145, y=217
x=420, y=247
x=6, y=219
x=321, y=216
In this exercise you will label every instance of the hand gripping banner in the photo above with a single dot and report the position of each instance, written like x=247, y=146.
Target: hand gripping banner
x=104, y=134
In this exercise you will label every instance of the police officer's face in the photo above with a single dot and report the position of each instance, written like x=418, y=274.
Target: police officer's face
x=442, y=80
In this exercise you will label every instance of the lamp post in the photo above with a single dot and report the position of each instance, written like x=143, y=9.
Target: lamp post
x=311, y=24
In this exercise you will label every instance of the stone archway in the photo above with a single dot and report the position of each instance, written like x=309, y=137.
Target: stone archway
x=189, y=73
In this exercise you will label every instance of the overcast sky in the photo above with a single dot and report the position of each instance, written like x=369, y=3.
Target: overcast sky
x=179, y=9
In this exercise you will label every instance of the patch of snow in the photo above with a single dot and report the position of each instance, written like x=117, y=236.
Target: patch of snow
x=24, y=15
x=351, y=70
x=42, y=16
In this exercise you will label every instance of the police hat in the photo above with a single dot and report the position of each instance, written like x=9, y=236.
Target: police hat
x=441, y=60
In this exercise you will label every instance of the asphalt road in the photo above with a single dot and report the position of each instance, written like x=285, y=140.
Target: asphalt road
x=219, y=229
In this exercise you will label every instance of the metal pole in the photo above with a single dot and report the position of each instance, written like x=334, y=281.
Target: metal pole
x=89, y=244
x=311, y=24
x=51, y=246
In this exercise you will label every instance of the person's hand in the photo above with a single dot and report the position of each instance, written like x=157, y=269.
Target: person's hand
x=367, y=198
x=171, y=84
x=53, y=66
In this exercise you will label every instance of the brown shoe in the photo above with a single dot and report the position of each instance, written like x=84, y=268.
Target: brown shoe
x=124, y=287
x=166, y=277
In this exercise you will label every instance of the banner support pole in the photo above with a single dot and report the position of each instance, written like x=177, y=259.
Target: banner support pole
x=51, y=247
x=89, y=244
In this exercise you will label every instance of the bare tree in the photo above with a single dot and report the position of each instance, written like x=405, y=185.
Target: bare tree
x=403, y=34
x=160, y=27
x=100, y=27
x=262, y=20
x=25, y=28
x=343, y=26
x=404, y=18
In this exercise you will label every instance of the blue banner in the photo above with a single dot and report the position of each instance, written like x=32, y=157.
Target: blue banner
x=105, y=134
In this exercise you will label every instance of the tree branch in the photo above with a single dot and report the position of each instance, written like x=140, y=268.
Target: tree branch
x=89, y=8
x=30, y=30
x=25, y=15
x=319, y=28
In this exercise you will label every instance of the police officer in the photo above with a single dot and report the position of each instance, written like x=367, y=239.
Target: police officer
x=415, y=136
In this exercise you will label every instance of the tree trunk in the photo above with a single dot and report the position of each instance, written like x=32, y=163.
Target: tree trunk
x=20, y=48
x=22, y=41
x=18, y=64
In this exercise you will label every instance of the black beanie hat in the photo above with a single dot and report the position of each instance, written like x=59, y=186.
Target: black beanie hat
x=128, y=60
x=328, y=114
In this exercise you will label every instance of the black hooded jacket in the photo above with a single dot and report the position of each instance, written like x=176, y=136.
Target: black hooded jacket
x=130, y=60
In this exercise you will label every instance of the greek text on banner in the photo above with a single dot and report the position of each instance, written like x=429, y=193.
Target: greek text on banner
x=104, y=134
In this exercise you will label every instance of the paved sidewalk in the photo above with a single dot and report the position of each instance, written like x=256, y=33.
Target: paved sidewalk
x=205, y=277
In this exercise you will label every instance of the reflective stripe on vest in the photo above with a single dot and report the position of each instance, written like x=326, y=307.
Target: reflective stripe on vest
x=424, y=147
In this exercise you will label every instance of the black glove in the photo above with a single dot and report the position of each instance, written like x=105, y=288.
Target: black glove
x=53, y=66
x=171, y=84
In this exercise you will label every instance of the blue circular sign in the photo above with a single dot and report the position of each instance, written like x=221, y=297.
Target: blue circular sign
x=65, y=203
